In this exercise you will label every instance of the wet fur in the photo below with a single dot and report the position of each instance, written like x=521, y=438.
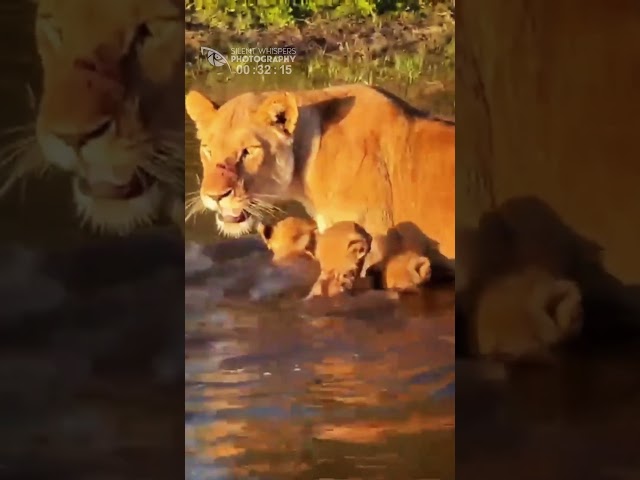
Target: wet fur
x=340, y=253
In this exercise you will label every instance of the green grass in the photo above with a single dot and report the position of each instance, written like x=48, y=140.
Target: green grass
x=243, y=14
x=410, y=73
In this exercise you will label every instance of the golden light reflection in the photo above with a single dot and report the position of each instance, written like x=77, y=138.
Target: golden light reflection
x=360, y=384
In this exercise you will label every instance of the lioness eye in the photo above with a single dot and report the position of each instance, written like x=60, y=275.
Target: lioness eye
x=243, y=154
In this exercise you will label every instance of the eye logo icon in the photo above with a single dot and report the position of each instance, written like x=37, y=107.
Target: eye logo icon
x=214, y=57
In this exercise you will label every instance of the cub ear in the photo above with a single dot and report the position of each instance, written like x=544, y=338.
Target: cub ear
x=265, y=231
x=279, y=110
x=358, y=247
x=420, y=269
x=307, y=242
x=200, y=108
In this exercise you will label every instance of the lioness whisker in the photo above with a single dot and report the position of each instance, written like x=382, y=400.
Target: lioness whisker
x=265, y=208
x=268, y=206
x=266, y=195
x=15, y=150
x=22, y=162
x=28, y=127
x=192, y=200
x=194, y=209
x=255, y=213
x=19, y=142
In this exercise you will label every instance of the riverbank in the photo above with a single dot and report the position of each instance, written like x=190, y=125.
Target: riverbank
x=413, y=54
x=347, y=38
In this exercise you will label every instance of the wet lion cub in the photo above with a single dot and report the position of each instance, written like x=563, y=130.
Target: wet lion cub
x=341, y=253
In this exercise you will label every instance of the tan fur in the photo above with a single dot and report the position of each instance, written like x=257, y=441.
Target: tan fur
x=340, y=253
x=523, y=314
x=112, y=73
x=347, y=153
x=290, y=237
x=406, y=271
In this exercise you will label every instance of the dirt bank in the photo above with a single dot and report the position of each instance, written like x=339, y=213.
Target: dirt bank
x=343, y=38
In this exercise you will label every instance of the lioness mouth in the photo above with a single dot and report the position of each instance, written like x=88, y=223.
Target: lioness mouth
x=139, y=184
x=234, y=219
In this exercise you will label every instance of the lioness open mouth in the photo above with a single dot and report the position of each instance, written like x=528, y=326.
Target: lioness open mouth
x=137, y=186
x=234, y=219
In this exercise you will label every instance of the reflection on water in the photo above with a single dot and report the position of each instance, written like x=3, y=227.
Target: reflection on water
x=273, y=392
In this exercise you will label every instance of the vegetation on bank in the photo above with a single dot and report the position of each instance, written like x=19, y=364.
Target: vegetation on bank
x=242, y=14
x=407, y=46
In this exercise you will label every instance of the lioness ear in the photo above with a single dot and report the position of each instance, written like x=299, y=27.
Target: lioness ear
x=265, y=231
x=420, y=269
x=334, y=110
x=279, y=110
x=199, y=108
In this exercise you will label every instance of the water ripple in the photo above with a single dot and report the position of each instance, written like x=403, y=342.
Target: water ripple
x=273, y=391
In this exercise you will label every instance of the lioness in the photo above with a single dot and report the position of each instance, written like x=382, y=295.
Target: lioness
x=347, y=153
x=110, y=113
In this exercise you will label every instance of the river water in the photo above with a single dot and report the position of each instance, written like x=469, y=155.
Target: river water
x=275, y=391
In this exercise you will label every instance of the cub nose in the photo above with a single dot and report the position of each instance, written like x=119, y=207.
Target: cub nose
x=78, y=140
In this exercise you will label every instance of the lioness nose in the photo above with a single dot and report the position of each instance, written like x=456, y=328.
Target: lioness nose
x=218, y=197
x=78, y=140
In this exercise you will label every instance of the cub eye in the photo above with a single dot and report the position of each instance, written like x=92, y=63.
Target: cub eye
x=243, y=154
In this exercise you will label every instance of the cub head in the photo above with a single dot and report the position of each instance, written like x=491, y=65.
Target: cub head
x=406, y=271
x=110, y=111
x=292, y=237
x=341, y=250
x=247, y=155
x=556, y=308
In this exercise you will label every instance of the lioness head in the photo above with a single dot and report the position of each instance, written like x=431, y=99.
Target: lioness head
x=110, y=108
x=247, y=155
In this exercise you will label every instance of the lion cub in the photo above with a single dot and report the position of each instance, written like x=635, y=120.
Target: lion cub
x=522, y=315
x=290, y=238
x=341, y=253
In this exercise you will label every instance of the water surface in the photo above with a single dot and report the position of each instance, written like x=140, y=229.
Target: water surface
x=274, y=391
